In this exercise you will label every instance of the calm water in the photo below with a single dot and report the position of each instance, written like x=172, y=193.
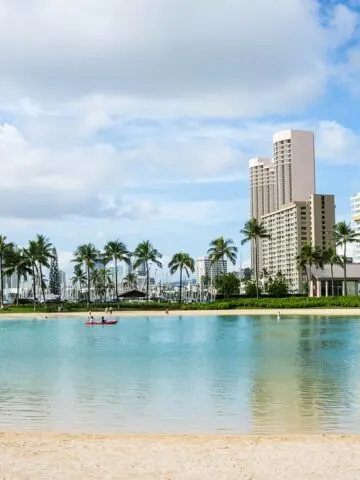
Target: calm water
x=182, y=374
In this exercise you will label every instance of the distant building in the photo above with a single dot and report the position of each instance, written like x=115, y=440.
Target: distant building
x=141, y=269
x=204, y=268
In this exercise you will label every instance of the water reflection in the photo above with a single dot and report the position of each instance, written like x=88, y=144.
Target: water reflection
x=302, y=376
x=182, y=374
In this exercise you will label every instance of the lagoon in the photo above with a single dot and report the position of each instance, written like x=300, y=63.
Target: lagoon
x=190, y=374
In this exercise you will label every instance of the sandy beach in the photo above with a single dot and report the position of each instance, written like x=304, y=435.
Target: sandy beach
x=336, y=312
x=75, y=456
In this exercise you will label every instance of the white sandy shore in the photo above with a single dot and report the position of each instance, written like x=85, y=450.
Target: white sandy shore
x=340, y=312
x=44, y=456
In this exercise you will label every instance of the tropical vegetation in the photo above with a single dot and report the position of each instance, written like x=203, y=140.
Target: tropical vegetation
x=343, y=236
x=253, y=232
x=222, y=249
x=117, y=251
x=228, y=285
x=93, y=278
x=145, y=253
x=308, y=257
x=183, y=263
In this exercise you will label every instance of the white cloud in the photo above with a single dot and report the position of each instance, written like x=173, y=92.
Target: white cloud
x=337, y=144
x=164, y=56
x=343, y=24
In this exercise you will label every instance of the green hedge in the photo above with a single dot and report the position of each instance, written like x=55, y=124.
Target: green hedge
x=236, y=303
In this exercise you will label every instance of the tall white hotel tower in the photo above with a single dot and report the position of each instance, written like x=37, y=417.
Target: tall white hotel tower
x=282, y=196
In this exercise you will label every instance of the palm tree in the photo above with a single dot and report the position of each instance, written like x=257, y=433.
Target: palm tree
x=31, y=255
x=130, y=281
x=264, y=275
x=146, y=253
x=44, y=255
x=117, y=251
x=221, y=249
x=331, y=257
x=87, y=255
x=104, y=260
x=19, y=265
x=344, y=234
x=253, y=231
x=101, y=280
x=183, y=262
x=79, y=278
x=5, y=250
x=309, y=256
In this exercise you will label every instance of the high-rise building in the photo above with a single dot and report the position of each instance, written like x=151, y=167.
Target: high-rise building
x=355, y=215
x=282, y=196
x=322, y=220
x=204, y=268
x=294, y=166
x=141, y=269
x=261, y=186
x=292, y=226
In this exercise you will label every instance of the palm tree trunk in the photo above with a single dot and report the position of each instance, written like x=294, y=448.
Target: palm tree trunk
x=345, y=283
x=116, y=281
x=310, y=294
x=332, y=280
x=180, y=290
x=256, y=267
x=147, y=281
x=104, y=285
x=34, y=285
x=42, y=284
x=88, y=285
x=224, y=281
x=1, y=281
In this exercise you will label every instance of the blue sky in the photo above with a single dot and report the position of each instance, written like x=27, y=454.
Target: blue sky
x=136, y=120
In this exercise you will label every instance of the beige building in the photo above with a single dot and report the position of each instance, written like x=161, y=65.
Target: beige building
x=261, y=186
x=282, y=196
x=294, y=166
x=322, y=219
x=289, y=228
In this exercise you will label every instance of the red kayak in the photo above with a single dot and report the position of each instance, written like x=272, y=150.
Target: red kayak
x=108, y=322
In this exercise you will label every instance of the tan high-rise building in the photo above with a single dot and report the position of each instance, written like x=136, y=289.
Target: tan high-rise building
x=322, y=218
x=288, y=228
x=261, y=186
x=292, y=226
x=282, y=196
x=294, y=166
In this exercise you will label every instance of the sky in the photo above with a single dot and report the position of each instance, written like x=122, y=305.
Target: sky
x=136, y=120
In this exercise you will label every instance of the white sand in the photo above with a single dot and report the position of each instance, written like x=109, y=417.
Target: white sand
x=341, y=312
x=47, y=456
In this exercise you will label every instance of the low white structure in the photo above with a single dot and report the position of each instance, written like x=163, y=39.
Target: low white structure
x=322, y=280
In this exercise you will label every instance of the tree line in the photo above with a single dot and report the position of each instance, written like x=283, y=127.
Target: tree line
x=41, y=254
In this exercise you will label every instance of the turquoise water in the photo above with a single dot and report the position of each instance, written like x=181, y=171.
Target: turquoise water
x=182, y=374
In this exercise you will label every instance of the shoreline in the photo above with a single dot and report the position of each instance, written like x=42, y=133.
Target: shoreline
x=43, y=455
x=336, y=312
